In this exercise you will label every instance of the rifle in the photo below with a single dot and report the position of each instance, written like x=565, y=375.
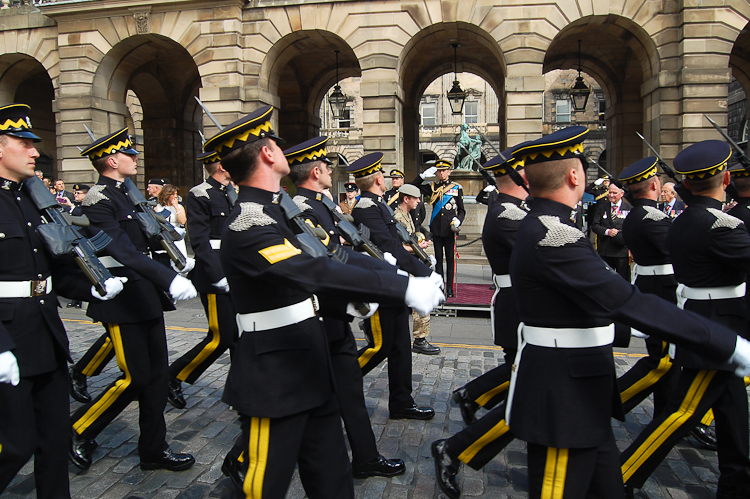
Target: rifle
x=488, y=177
x=358, y=238
x=409, y=239
x=664, y=166
x=155, y=225
x=513, y=174
x=63, y=239
x=741, y=156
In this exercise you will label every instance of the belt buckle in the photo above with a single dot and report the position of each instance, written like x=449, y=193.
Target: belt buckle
x=39, y=288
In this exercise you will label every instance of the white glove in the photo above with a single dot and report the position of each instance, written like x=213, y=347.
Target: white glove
x=437, y=279
x=433, y=262
x=113, y=286
x=741, y=357
x=430, y=172
x=456, y=222
x=638, y=334
x=390, y=259
x=189, y=264
x=423, y=295
x=9, y=372
x=352, y=310
x=599, y=181
x=223, y=285
x=489, y=188
x=182, y=289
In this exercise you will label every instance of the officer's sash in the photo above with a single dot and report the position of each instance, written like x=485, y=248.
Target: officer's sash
x=439, y=199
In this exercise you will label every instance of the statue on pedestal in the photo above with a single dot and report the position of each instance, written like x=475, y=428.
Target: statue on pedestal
x=469, y=150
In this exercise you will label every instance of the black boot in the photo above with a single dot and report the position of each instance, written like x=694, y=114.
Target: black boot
x=168, y=460
x=705, y=435
x=380, y=466
x=446, y=469
x=80, y=450
x=468, y=407
x=232, y=468
x=421, y=345
x=174, y=394
x=78, y=386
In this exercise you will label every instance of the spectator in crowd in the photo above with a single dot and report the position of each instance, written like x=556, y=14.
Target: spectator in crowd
x=169, y=206
x=669, y=202
x=60, y=192
x=154, y=186
x=607, y=225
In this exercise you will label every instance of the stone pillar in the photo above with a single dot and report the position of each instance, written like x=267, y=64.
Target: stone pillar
x=524, y=97
x=381, y=123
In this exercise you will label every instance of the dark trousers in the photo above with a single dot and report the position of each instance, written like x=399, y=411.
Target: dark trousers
x=96, y=357
x=391, y=338
x=447, y=244
x=620, y=264
x=477, y=444
x=312, y=440
x=491, y=388
x=575, y=473
x=222, y=335
x=34, y=421
x=696, y=392
x=351, y=399
x=652, y=374
x=141, y=350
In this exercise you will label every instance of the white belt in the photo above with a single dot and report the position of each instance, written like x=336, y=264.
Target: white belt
x=25, y=289
x=569, y=337
x=279, y=317
x=665, y=269
x=215, y=243
x=717, y=293
x=110, y=262
x=501, y=281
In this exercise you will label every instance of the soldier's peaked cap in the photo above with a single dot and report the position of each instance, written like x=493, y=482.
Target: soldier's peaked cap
x=119, y=141
x=251, y=128
x=208, y=157
x=14, y=120
x=443, y=164
x=504, y=163
x=366, y=165
x=739, y=171
x=309, y=150
x=639, y=171
x=703, y=160
x=396, y=174
x=562, y=144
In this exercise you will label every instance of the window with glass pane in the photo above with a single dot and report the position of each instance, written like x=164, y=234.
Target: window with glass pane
x=345, y=120
x=471, y=112
x=429, y=114
x=562, y=110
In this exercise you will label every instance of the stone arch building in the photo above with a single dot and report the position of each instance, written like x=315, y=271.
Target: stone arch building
x=661, y=64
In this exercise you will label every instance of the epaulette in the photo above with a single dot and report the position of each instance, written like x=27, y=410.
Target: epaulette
x=512, y=212
x=724, y=220
x=301, y=204
x=654, y=214
x=94, y=195
x=251, y=215
x=364, y=203
x=558, y=233
x=201, y=190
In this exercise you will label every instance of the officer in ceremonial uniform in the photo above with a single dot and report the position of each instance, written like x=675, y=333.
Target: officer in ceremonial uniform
x=563, y=389
x=280, y=379
x=710, y=253
x=483, y=439
x=391, y=195
x=135, y=319
x=447, y=200
x=209, y=205
x=33, y=344
x=389, y=325
x=351, y=198
x=311, y=173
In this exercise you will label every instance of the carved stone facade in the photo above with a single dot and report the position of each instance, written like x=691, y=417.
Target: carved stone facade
x=660, y=65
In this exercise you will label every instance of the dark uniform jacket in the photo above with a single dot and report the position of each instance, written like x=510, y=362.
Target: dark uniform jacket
x=371, y=211
x=209, y=210
x=449, y=197
x=31, y=327
x=742, y=211
x=498, y=238
x=144, y=295
x=677, y=208
x=560, y=282
x=710, y=248
x=604, y=220
x=285, y=371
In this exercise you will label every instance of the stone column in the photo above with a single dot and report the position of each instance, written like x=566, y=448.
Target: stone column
x=381, y=123
x=524, y=97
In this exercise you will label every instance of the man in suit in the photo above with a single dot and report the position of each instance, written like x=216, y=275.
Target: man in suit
x=669, y=202
x=63, y=196
x=607, y=225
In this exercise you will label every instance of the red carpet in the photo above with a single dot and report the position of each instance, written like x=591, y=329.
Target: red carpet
x=472, y=294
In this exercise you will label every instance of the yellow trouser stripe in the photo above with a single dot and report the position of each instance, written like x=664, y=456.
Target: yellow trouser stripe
x=99, y=357
x=555, y=470
x=213, y=327
x=486, y=397
x=495, y=432
x=377, y=338
x=260, y=432
x=654, y=375
x=241, y=457
x=107, y=399
x=687, y=408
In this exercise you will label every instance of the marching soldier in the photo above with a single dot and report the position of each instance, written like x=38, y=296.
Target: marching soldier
x=135, y=319
x=311, y=173
x=209, y=205
x=710, y=253
x=447, y=200
x=280, y=380
x=33, y=344
x=562, y=394
x=389, y=325
x=483, y=439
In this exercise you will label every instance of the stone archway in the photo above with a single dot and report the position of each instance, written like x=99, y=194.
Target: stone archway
x=620, y=56
x=739, y=59
x=24, y=79
x=165, y=79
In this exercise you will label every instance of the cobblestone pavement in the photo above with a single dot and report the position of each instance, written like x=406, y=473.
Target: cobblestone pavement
x=207, y=428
